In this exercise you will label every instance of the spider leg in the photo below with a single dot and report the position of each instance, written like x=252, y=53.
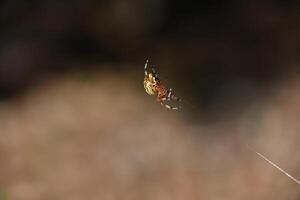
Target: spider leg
x=154, y=72
x=171, y=95
x=145, y=68
x=169, y=106
x=163, y=101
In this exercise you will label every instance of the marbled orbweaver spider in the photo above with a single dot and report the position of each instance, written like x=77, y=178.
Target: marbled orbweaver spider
x=154, y=86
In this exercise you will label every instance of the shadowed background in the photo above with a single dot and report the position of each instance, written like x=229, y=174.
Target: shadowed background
x=76, y=123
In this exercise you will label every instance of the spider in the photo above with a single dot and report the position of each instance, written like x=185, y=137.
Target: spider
x=153, y=86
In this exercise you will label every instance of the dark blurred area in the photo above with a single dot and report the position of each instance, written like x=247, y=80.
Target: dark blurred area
x=76, y=123
x=210, y=43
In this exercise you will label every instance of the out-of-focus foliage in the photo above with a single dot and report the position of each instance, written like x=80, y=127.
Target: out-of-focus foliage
x=75, y=121
x=2, y=196
x=215, y=44
x=98, y=139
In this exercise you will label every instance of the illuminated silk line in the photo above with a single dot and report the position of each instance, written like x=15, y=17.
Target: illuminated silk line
x=274, y=165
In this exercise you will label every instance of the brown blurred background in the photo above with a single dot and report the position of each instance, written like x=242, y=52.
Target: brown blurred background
x=76, y=123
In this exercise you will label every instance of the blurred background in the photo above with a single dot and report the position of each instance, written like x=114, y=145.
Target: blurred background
x=76, y=123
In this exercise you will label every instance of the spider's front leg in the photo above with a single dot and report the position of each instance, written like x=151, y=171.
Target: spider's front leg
x=146, y=68
x=153, y=72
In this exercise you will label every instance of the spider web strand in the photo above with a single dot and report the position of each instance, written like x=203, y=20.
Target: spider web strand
x=274, y=165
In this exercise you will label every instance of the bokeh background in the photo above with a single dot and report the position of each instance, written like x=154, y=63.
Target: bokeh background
x=76, y=123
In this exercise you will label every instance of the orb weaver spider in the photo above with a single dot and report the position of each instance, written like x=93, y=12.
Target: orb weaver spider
x=154, y=86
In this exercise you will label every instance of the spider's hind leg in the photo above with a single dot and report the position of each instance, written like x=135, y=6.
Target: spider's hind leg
x=169, y=106
x=171, y=96
x=163, y=103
